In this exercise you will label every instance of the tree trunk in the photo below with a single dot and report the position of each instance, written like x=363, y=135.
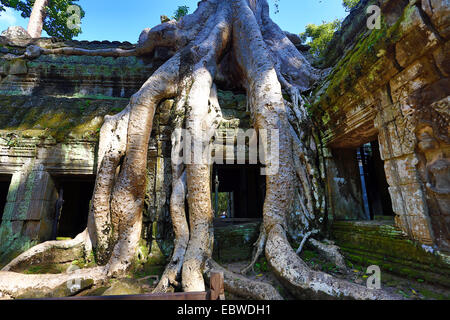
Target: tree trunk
x=37, y=17
x=233, y=41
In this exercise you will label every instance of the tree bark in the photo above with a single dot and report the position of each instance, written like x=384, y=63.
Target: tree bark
x=37, y=17
x=233, y=41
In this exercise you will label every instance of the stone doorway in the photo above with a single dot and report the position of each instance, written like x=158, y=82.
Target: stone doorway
x=240, y=193
x=72, y=206
x=376, y=197
x=5, y=181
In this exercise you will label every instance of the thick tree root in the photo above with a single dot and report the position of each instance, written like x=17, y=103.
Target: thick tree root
x=244, y=287
x=19, y=286
x=72, y=51
x=50, y=252
x=181, y=229
x=200, y=124
x=329, y=252
x=306, y=283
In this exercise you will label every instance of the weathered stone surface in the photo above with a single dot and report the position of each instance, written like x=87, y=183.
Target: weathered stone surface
x=388, y=85
x=442, y=58
x=234, y=242
x=439, y=13
x=344, y=185
x=402, y=171
x=18, y=67
x=124, y=287
x=419, y=37
x=383, y=244
x=420, y=73
x=16, y=33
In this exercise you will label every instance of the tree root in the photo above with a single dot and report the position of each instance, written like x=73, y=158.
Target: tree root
x=329, y=252
x=242, y=286
x=259, y=249
x=20, y=286
x=50, y=252
x=72, y=51
x=306, y=283
x=181, y=229
x=305, y=238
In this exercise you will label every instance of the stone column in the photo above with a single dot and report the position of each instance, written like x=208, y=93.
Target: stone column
x=398, y=143
x=29, y=210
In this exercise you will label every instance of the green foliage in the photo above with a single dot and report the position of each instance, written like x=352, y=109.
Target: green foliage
x=180, y=12
x=319, y=36
x=261, y=265
x=56, y=20
x=349, y=4
x=224, y=199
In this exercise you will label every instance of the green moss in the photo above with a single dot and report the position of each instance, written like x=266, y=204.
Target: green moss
x=364, y=60
x=261, y=265
x=156, y=256
x=45, y=269
x=433, y=295
x=378, y=243
x=235, y=243
x=142, y=252
x=60, y=119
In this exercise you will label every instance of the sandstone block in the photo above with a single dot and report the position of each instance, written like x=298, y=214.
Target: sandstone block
x=402, y=171
x=439, y=13
x=418, y=38
x=442, y=58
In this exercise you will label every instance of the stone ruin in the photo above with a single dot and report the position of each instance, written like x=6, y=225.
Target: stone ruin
x=383, y=110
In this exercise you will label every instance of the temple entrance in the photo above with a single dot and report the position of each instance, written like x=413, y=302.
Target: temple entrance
x=238, y=193
x=5, y=181
x=72, y=206
x=376, y=197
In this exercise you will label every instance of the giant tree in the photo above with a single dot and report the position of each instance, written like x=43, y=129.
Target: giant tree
x=223, y=41
x=56, y=17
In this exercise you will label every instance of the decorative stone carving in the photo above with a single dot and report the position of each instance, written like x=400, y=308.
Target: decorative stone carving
x=435, y=169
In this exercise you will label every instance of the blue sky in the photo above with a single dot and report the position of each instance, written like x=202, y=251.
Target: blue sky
x=124, y=20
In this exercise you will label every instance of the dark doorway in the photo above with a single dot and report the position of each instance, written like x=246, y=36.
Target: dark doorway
x=5, y=181
x=241, y=191
x=74, y=193
x=377, y=200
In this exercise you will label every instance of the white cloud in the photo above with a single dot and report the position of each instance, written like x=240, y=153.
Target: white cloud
x=8, y=17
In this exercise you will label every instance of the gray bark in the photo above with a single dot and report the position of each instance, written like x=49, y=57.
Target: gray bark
x=266, y=63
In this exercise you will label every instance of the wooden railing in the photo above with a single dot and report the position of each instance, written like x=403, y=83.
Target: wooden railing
x=216, y=292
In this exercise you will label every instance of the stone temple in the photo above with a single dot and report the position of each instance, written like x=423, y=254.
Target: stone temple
x=383, y=111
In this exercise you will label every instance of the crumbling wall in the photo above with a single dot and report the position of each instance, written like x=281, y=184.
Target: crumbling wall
x=392, y=84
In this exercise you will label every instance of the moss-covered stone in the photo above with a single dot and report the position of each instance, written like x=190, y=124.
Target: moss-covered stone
x=381, y=243
x=60, y=119
x=124, y=287
x=63, y=290
x=235, y=243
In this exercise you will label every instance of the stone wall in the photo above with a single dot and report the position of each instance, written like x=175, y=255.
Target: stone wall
x=392, y=84
x=381, y=243
x=40, y=138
